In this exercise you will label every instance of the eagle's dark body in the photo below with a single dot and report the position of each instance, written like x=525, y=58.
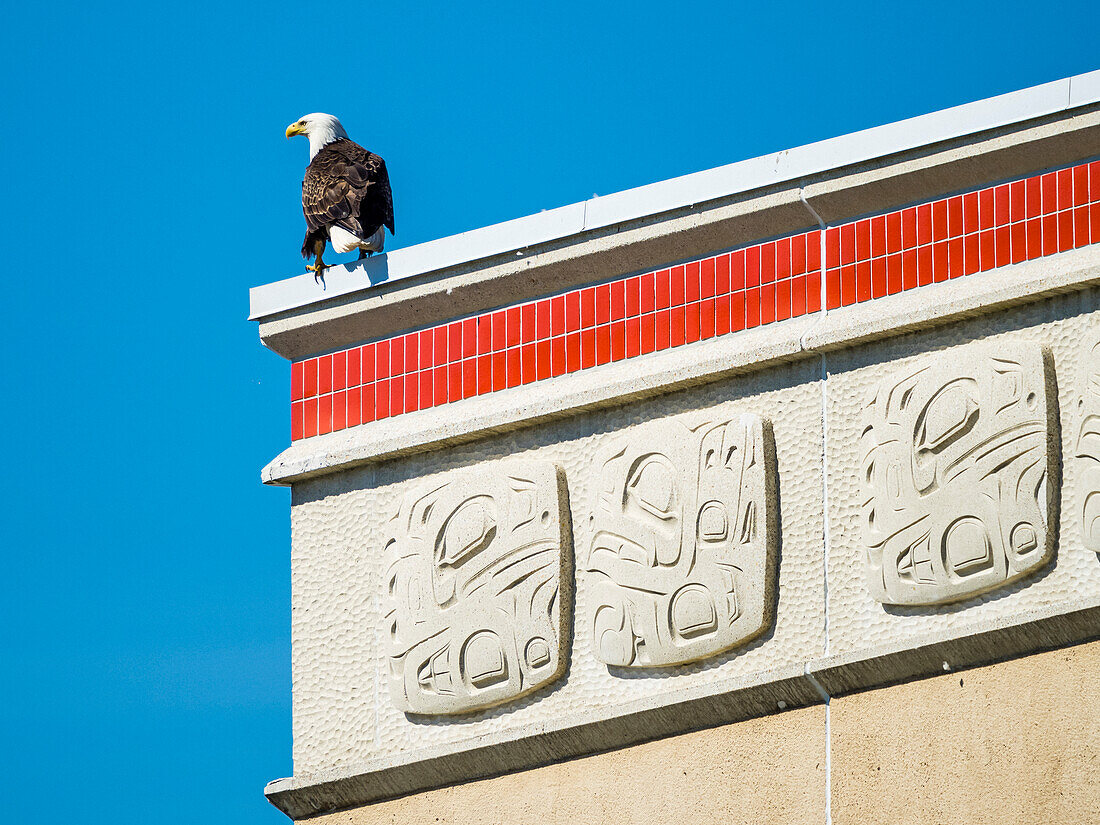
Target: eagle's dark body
x=347, y=186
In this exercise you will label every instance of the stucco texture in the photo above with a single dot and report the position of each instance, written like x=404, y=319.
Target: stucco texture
x=770, y=769
x=1012, y=743
x=343, y=713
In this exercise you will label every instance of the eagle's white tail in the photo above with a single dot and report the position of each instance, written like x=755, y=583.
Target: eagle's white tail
x=344, y=241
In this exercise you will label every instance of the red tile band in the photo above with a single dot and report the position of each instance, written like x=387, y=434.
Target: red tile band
x=718, y=295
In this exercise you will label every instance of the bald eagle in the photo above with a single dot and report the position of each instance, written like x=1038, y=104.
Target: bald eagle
x=346, y=195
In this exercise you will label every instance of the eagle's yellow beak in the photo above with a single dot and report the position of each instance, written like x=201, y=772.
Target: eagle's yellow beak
x=293, y=129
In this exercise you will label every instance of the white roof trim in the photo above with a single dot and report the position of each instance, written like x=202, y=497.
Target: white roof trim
x=554, y=224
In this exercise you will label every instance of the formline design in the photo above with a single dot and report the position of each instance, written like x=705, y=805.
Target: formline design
x=479, y=592
x=958, y=453
x=681, y=564
x=1087, y=443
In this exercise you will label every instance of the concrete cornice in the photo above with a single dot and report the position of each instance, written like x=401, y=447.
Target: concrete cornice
x=667, y=221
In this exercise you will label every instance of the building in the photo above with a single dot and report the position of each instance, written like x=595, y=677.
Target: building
x=769, y=493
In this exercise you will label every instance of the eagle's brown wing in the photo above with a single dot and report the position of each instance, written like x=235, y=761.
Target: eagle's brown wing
x=346, y=186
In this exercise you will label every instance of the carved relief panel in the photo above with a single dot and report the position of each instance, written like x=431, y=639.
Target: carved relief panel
x=956, y=456
x=682, y=560
x=479, y=570
x=1087, y=443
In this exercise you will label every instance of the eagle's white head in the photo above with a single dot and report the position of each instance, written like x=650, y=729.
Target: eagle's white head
x=321, y=129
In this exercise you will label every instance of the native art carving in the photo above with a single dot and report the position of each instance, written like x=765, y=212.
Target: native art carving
x=475, y=588
x=682, y=560
x=1087, y=447
x=956, y=457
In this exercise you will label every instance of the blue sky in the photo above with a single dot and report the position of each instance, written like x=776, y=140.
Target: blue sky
x=146, y=608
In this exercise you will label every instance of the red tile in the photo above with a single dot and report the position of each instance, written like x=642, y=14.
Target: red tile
x=645, y=293
x=676, y=327
x=427, y=389
x=863, y=281
x=1019, y=242
x=939, y=221
x=514, y=325
x=813, y=251
x=603, y=304
x=722, y=315
x=783, y=299
x=646, y=333
x=588, y=348
x=1034, y=238
x=798, y=295
x=691, y=322
x=798, y=252
x=1001, y=201
x=661, y=330
x=813, y=291
x=752, y=266
x=848, y=243
x=529, y=369
x=500, y=370
x=355, y=407
x=484, y=374
x=1050, y=234
x=454, y=381
x=767, y=263
x=1094, y=182
x=412, y=351
x=832, y=246
x=439, y=346
x=987, y=243
x=782, y=259
x=970, y=213
x=908, y=228
x=297, y=381
x=1081, y=184
x=863, y=239
x=767, y=303
x=633, y=332
x=469, y=377
x=324, y=414
x=752, y=307
x=1081, y=226
x=986, y=218
x=1017, y=200
x=367, y=363
x=924, y=265
x=542, y=318
x=297, y=420
x=908, y=269
x=706, y=318
x=722, y=275
x=924, y=224
x=941, y=271
x=557, y=355
x=366, y=403
x=355, y=372
x=603, y=345
x=618, y=300
x=527, y=324
x=617, y=330
x=454, y=342
x=1094, y=222
x=588, y=307
x=878, y=277
x=832, y=288
x=1034, y=197
x=893, y=232
x=737, y=271
x=848, y=285
x=309, y=418
x=878, y=236
x=397, y=395
x=706, y=278
x=1065, y=230
x=1065, y=188
x=515, y=366
x=397, y=355
x=956, y=259
x=632, y=297
x=662, y=289
x=955, y=217
x=557, y=316
x=440, y=383
x=971, y=255
x=500, y=330
x=382, y=399
x=692, y=287
x=340, y=410
x=893, y=274
x=1049, y=185
x=425, y=348
x=324, y=375
x=1003, y=235
x=678, y=286
x=738, y=312
x=572, y=311
x=572, y=352
x=542, y=359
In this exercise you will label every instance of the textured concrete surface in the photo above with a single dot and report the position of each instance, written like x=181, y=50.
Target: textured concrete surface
x=1016, y=743
x=342, y=712
x=770, y=769
x=1086, y=452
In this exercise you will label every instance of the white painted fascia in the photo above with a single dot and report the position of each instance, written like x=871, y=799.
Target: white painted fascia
x=522, y=234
